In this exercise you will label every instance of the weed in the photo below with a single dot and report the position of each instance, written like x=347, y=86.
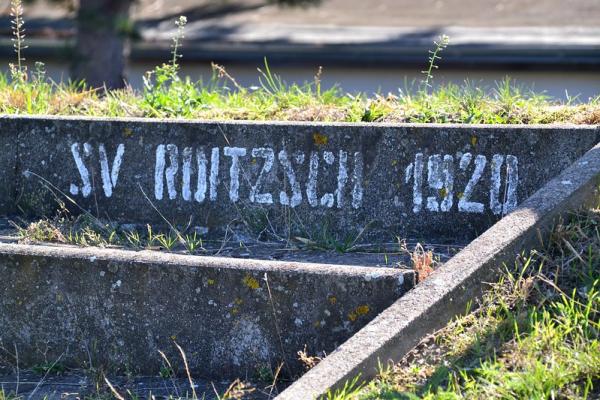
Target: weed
x=89, y=231
x=167, y=241
x=326, y=239
x=440, y=45
x=50, y=368
x=307, y=360
x=177, y=39
x=423, y=261
x=265, y=373
x=134, y=239
x=40, y=231
x=237, y=390
x=193, y=243
x=18, y=71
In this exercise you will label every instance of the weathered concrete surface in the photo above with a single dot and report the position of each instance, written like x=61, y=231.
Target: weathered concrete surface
x=116, y=309
x=446, y=292
x=8, y=167
x=402, y=180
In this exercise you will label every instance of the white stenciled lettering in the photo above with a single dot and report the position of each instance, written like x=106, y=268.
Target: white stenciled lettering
x=357, y=180
x=201, y=162
x=234, y=171
x=186, y=174
x=159, y=170
x=495, y=183
x=464, y=204
x=434, y=179
x=448, y=170
x=327, y=198
x=86, y=187
x=313, y=173
x=440, y=178
x=286, y=163
x=269, y=156
x=342, y=178
x=512, y=177
x=170, y=172
x=214, y=173
x=465, y=160
x=417, y=169
x=110, y=177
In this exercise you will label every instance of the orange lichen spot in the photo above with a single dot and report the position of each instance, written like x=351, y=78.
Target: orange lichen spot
x=394, y=163
x=127, y=132
x=460, y=195
x=317, y=324
x=443, y=192
x=210, y=281
x=251, y=282
x=473, y=140
x=320, y=139
x=358, y=312
x=332, y=299
x=238, y=301
x=173, y=337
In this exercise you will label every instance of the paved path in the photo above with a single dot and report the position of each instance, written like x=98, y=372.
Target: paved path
x=394, y=13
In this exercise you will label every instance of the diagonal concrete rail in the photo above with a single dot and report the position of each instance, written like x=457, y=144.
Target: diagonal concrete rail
x=445, y=294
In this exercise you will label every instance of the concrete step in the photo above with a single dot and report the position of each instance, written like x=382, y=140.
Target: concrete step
x=250, y=302
x=233, y=317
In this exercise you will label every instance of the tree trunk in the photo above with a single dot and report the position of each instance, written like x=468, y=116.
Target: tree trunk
x=99, y=57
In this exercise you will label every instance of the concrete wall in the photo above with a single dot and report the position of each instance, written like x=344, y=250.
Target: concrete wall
x=407, y=180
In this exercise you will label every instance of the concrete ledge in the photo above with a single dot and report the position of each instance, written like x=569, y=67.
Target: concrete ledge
x=446, y=293
x=433, y=181
x=114, y=309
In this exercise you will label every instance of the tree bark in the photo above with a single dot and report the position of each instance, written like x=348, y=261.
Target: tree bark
x=99, y=57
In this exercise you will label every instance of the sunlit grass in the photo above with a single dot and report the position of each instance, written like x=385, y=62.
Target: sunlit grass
x=166, y=95
x=536, y=334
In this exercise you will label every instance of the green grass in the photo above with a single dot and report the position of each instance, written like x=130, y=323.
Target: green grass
x=86, y=230
x=166, y=94
x=536, y=334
